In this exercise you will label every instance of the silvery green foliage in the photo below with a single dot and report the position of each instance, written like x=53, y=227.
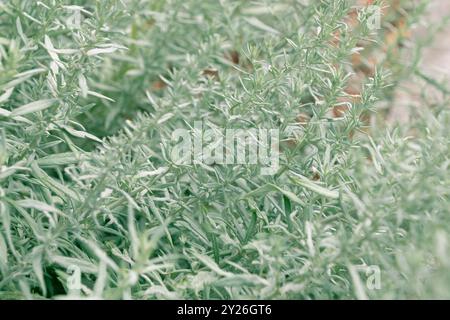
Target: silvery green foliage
x=90, y=94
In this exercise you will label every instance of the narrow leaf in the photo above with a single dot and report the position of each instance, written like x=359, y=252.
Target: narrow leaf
x=33, y=107
x=305, y=182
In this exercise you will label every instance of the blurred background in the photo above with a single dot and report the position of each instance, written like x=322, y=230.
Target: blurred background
x=435, y=63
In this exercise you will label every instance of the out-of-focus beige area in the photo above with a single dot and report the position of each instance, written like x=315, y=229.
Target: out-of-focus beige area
x=436, y=61
x=435, y=64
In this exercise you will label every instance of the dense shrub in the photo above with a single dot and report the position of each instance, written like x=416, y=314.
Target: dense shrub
x=87, y=182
